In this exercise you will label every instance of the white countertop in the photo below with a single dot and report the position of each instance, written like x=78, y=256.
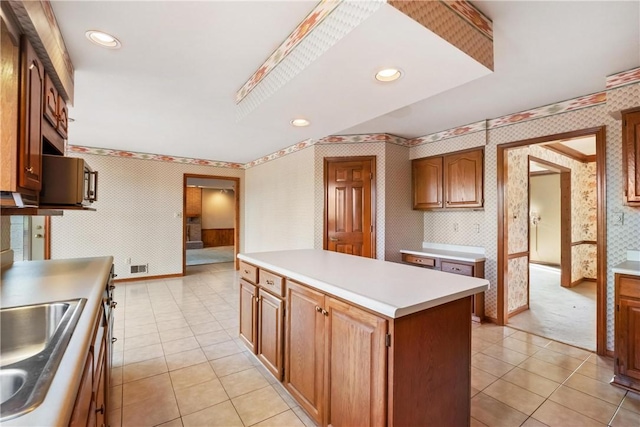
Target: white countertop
x=442, y=253
x=391, y=289
x=34, y=282
x=627, y=267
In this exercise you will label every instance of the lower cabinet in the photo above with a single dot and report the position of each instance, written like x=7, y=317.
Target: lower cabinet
x=627, y=332
x=347, y=366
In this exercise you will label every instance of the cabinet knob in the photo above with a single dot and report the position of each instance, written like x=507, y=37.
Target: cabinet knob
x=113, y=340
x=270, y=282
x=318, y=309
x=325, y=312
x=113, y=304
x=29, y=169
x=100, y=410
x=112, y=287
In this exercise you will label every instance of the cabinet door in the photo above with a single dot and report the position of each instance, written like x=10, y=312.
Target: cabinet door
x=427, y=183
x=304, y=355
x=356, y=366
x=248, y=308
x=628, y=339
x=631, y=156
x=270, y=321
x=63, y=118
x=84, y=398
x=463, y=179
x=50, y=101
x=32, y=88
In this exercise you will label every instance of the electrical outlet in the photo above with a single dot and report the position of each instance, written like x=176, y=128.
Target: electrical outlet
x=127, y=261
x=477, y=228
x=455, y=227
x=618, y=218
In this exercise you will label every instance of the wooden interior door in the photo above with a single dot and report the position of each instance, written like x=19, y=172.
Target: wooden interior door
x=349, y=197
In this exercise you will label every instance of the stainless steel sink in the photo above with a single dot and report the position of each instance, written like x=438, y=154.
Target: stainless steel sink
x=32, y=343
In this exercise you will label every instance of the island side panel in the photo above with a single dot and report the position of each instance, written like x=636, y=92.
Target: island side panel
x=430, y=367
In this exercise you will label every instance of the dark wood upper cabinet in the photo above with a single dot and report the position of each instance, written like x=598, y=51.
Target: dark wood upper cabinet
x=463, y=174
x=427, y=183
x=454, y=180
x=32, y=89
x=631, y=155
x=63, y=118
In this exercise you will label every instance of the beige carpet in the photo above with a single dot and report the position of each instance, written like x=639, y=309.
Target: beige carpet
x=209, y=255
x=567, y=315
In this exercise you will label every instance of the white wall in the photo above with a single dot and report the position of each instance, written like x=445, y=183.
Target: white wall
x=218, y=208
x=544, y=239
x=138, y=215
x=279, y=198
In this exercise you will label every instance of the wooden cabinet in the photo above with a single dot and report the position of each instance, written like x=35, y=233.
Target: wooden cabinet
x=304, y=354
x=627, y=332
x=454, y=180
x=248, y=314
x=356, y=366
x=427, y=183
x=54, y=125
x=464, y=268
x=270, y=335
x=631, y=155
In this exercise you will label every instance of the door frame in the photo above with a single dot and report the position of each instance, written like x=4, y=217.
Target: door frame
x=565, y=220
x=236, y=237
x=374, y=213
x=601, y=245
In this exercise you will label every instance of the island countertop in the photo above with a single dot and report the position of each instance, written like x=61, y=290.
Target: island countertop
x=391, y=289
x=34, y=282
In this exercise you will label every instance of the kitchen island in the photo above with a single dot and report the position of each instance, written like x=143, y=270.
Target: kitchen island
x=358, y=341
x=37, y=282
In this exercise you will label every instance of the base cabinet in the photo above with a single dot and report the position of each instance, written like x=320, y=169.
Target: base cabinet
x=248, y=314
x=348, y=366
x=627, y=332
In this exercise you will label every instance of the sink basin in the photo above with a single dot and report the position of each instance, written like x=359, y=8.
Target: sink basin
x=34, y=338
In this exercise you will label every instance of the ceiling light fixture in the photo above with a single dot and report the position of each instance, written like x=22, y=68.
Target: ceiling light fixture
x=103, y=39
x=388, y=75
x=300, y=122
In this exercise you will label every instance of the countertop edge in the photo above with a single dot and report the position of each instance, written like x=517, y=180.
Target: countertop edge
x=450, y=255
x=370, y=304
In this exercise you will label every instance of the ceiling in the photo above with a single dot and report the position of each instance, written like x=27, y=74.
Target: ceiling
x=171, y=88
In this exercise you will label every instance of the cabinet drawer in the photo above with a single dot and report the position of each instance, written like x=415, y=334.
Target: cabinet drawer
x=272, y=282
x=248, y=272
x=419, y=260
x=454, y=267
x=629, y=287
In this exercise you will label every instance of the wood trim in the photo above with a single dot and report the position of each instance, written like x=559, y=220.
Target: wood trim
x=548, y=163
x=542, y=173
x=609, y=353
x=581, y=280
x=600, y=133
x=236, y=246
x=137, y=279
x=374, y=215
x=565, y=229
x=519, y=310
x=558, y=147
x=47, y=237
x=584, y=242
x=518, y=255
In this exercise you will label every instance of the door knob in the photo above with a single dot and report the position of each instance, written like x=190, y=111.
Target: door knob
x=38, y=236
x=334, y=239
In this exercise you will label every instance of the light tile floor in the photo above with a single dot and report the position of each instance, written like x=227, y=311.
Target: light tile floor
x=178, y=362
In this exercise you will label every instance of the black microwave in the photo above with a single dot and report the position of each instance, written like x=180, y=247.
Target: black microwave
x=67, y=181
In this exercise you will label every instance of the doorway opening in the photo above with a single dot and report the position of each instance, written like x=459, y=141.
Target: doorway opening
x=551, y=237
x=350, y=205
x=210, y=222
x=30, y=237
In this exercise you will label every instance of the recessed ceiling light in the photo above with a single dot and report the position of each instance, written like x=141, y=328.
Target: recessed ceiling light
x=388, y=75
x=300, y=122
x=103, y=39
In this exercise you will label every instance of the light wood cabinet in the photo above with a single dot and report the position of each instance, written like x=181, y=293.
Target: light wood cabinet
x=270, y=335
x=627, y=332
x=631, y=155
x=248, y=314
x=464, y=268
x=454, y=180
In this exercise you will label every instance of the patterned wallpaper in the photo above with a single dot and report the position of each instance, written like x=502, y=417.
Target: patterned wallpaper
x=139, y=215
x=279, y=201
x=518, y=277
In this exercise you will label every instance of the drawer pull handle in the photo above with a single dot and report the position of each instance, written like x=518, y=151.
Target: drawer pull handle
x=113, y=340
x=100, y=410
x=325, y=312
x=419, y=260
x=270, y=282
x=111, y=287
x=455, y=269
x=334, y=239
x=246, y=272
x=318, y=309
x=113, y=304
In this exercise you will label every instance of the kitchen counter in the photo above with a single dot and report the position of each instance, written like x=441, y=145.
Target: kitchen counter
x=34, y=282
x=454, y=252
x=627, y=267
x=390, y=289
